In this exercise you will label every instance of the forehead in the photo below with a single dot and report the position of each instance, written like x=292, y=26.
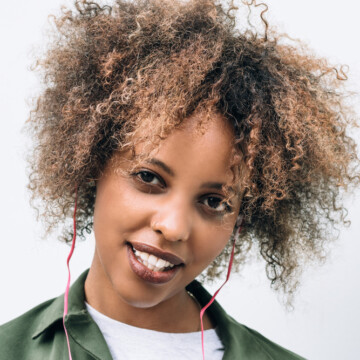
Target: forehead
x=208, y=138
x=201, y=147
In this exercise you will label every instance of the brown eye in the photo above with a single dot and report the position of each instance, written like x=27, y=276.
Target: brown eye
x=217, y=204
x=149, y=178
x=146, y=176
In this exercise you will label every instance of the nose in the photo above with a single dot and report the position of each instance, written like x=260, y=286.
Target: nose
x=173, y=220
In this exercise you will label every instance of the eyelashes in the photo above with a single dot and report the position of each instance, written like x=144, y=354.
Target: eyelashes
x=218, y=203
x=152, y=183
x=150, y=178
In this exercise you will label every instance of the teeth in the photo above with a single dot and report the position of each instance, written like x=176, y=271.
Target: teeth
x=160, y=263
x=144, y=256
x=152, y=262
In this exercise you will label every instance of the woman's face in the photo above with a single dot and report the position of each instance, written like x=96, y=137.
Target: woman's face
x=168, y=208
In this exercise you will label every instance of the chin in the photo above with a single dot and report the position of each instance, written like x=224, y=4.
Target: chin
x=141, y=301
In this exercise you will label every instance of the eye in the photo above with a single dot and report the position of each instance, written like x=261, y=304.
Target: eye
x=216, y=204
x=148, y=177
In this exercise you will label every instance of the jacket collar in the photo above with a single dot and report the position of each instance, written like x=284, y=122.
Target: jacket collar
x=236, y=338
x=54, y=312
x=80, y=326
x=238, y=341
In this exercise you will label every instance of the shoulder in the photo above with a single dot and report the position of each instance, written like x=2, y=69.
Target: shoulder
x=260, y=343
x=19, y=333
x=25, y=323
x=240, y=341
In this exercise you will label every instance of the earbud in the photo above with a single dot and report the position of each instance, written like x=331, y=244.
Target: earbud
x=239, y=221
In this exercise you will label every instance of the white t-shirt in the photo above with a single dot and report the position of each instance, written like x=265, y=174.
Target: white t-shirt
x=128, y=342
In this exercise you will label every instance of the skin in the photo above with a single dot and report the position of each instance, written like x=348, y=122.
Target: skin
x=180, y=213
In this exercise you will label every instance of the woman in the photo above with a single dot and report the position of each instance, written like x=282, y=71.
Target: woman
x=173, y=136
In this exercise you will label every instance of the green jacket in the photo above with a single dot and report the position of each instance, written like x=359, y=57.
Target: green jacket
x=39, y=335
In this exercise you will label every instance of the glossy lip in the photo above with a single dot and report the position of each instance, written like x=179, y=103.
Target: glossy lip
x=154, y=277
x=158, y=253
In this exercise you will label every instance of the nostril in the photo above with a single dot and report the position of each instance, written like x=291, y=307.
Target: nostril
x=154, y=226
x=172, y=228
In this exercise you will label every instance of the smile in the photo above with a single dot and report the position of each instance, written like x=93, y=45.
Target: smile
x=151, y=268
x=152, y=262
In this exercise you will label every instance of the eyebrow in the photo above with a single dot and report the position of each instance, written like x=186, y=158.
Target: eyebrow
x=213, y=185
x=162, y=165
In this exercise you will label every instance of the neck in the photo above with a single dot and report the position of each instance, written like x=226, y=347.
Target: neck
x=178, y=313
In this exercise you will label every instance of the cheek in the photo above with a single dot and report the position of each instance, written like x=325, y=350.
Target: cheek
x=117, y=207
x=211, y=242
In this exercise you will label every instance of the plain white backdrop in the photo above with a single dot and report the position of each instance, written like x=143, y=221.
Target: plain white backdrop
x=325, y=322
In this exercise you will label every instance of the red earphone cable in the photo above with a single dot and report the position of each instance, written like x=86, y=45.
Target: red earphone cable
x=66, y=296
x=213, y=298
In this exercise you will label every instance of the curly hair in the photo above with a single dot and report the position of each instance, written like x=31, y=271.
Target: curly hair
x=111, y=71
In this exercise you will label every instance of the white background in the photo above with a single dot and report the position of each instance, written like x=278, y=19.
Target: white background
x=325, y=322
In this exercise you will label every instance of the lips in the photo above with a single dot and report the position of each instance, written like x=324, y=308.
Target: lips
x=143, y=272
